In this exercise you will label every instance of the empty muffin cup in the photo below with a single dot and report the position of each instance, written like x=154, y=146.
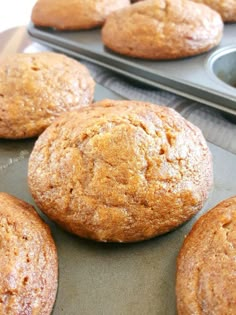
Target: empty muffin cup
x=223, y=65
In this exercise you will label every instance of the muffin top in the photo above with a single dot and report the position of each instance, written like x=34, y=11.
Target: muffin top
x=206, y=264
x=120, y=171
x=36, y=88
x=226, y=8
x=28, y=260
x=163, y=29
x=74, y=14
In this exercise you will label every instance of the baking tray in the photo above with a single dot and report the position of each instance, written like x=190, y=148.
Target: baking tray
x=208, y=78
x=113, y=279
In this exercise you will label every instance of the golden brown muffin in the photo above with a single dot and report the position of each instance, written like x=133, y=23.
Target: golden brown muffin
x=120, y=171
x=28, y=260
x=226, y=8
x=37, y=88
x=163, y=29
x=206, y=266
x=74, y=14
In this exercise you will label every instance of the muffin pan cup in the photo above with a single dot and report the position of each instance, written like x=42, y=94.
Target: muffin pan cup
x=222, y=64
x=103, y=278
x=196, y=78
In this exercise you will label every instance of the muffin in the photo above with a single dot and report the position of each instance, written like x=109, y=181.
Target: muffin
x=28, y=260
x=120, y=171
x=74, y=14
x=206, y=265
x=226, y=8
x=37, y=88
x=163, y=29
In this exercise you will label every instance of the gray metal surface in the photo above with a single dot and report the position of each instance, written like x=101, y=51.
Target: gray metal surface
x=113, y=279
x=189, y=77
x=223, y=66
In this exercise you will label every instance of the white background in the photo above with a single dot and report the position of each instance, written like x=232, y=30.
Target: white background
x=15, y=13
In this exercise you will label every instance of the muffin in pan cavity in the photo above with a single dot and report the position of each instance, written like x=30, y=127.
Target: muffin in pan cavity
x=37, y=88
x=74, y=14
x=226, y=8
x=206, y=266
x=163, y=29
x=120, y=171
x=28, y=260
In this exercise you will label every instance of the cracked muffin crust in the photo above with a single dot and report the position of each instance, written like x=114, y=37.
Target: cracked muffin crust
x=28, y=260
x=74, y=14
x=120, y=171
x=163, y=29
x=226, y=8
x=206, y=265
x=37, y=88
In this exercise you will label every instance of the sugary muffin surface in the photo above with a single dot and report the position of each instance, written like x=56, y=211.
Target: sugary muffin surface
x=163, y=29
x=28, y=260
x=74, y=14
x=37, y=88
x=206, y=265
x=226, y=8
x=120, y=171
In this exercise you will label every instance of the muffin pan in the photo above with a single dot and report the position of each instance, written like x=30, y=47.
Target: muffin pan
x=199, y=78
x=104, y=279
x=223, y=65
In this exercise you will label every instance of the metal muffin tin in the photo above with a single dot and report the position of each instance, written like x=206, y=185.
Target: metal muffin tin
x=208, y=78
x=113, y=279
x=222, y=65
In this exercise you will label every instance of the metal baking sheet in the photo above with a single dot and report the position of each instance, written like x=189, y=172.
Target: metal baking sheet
x=113, y=279
x=193, y=77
